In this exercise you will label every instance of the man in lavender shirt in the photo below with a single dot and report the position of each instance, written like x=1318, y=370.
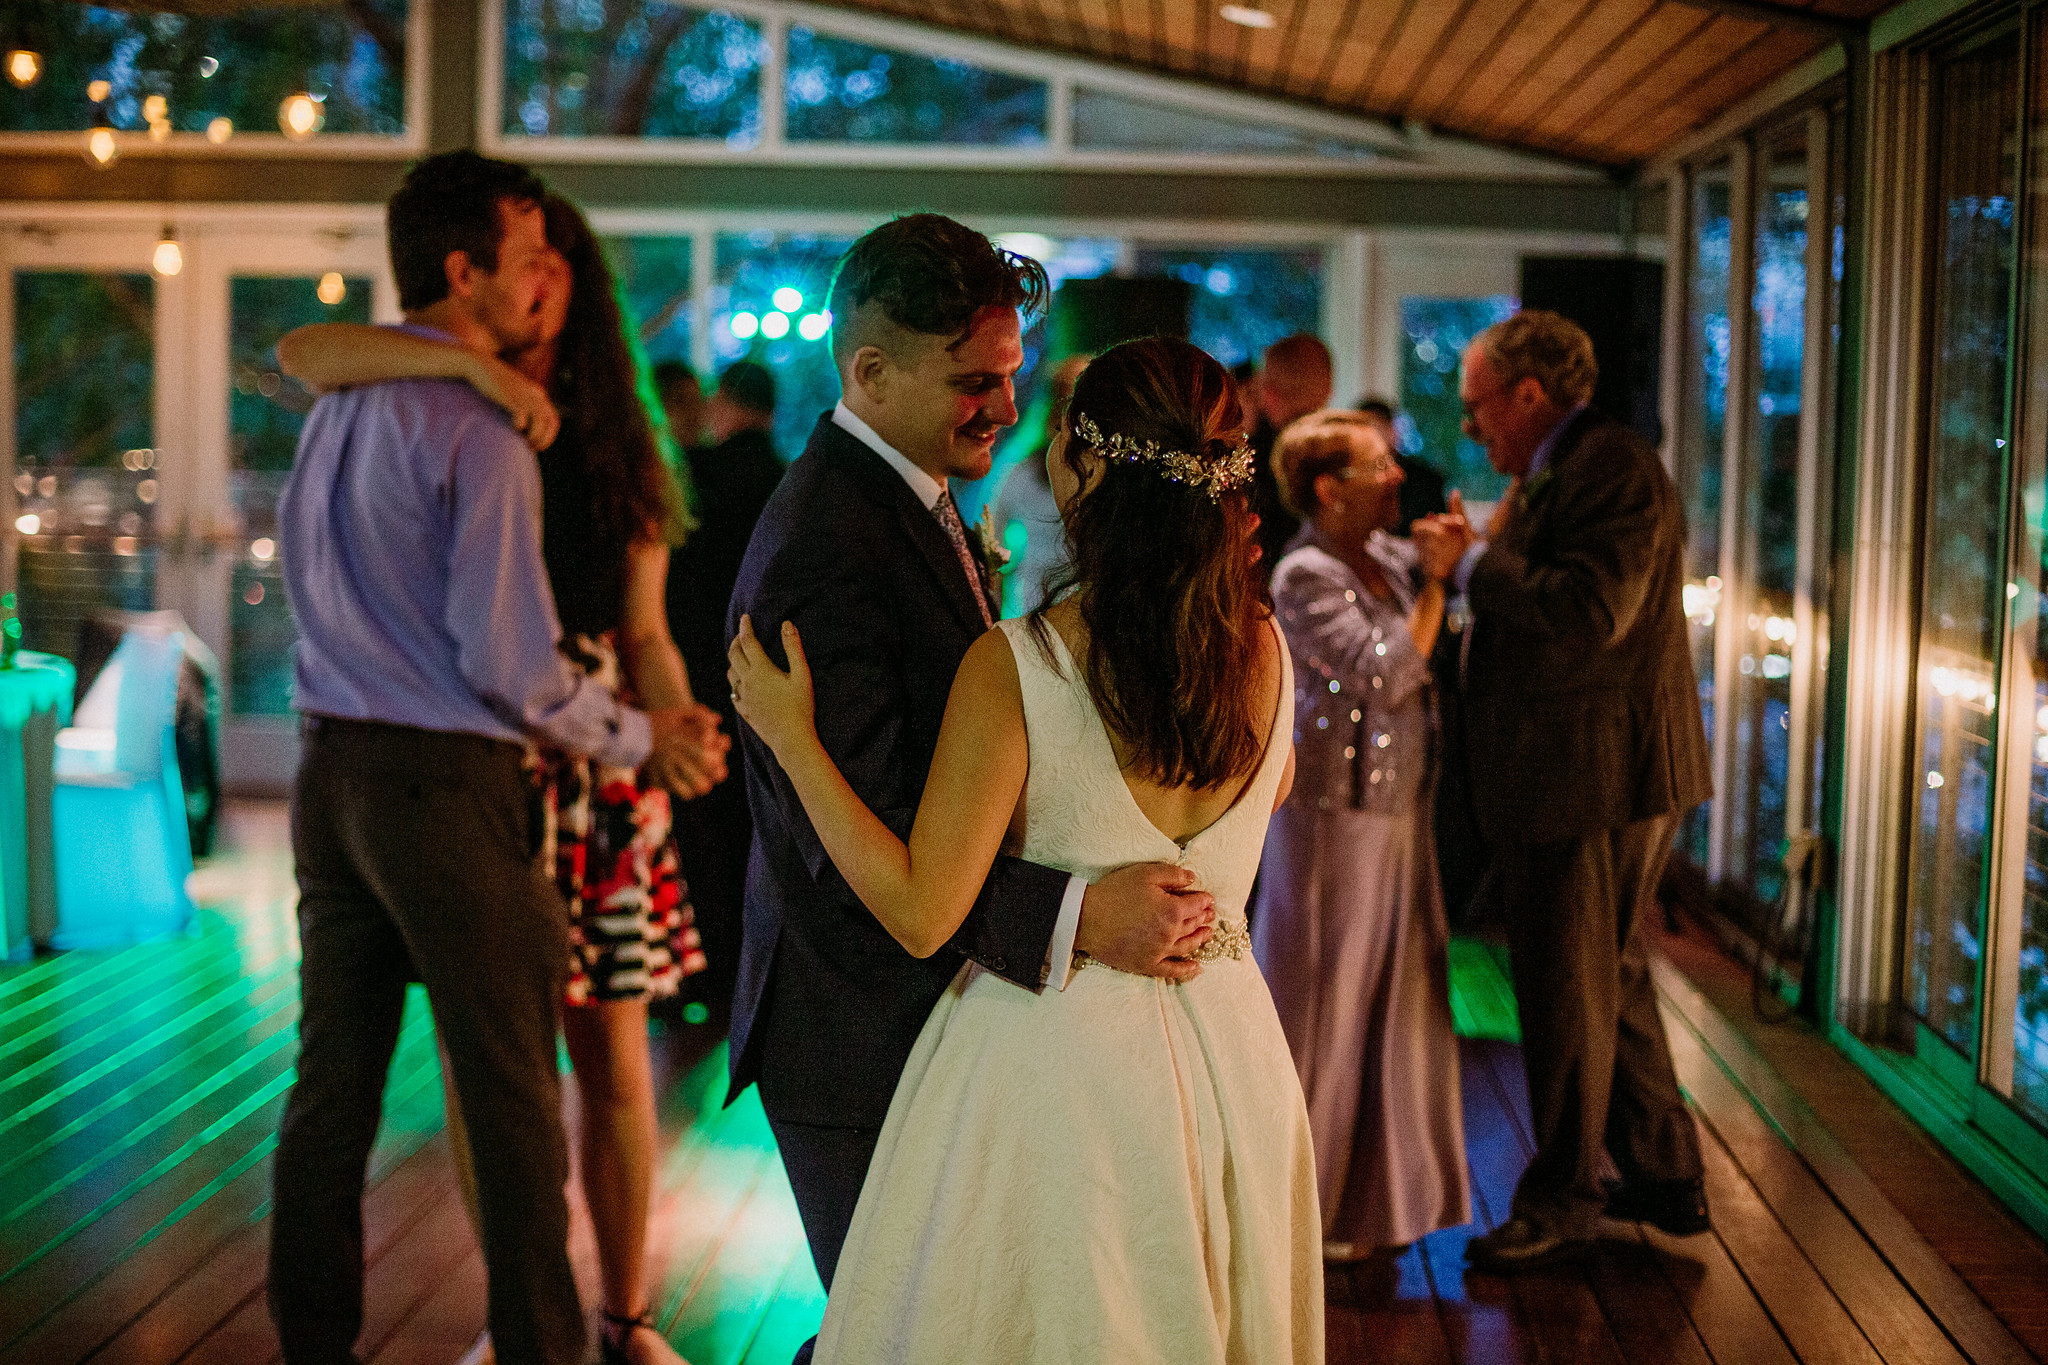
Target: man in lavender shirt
x=426, y=659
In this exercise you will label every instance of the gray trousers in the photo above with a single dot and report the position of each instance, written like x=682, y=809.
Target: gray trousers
x=1592, y=1041
x=414, y=864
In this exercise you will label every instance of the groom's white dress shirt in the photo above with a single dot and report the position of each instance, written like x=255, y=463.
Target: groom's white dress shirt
x=1060, y=953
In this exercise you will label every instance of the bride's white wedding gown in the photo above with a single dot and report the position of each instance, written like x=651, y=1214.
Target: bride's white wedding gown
x=1117, y=1172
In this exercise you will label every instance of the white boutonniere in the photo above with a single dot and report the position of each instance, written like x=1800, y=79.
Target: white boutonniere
x=995, y=556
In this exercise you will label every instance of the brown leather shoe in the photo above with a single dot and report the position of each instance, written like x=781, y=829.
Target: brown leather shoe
x=1519, y=1245
x=1678, y=1207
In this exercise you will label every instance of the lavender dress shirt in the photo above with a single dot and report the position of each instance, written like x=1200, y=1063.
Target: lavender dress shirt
x=410, y=531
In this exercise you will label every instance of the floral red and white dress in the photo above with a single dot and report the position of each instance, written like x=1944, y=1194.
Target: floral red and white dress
x=608, y=843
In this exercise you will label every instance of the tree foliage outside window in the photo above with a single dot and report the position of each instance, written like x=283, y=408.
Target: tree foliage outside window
x=631, y=68
x=266, y=410
x=85, y=384
x=1435, y=333
x=1244, y=299
x=839, y=90
x=749, y=268
x=653, y=275
x=211, y=62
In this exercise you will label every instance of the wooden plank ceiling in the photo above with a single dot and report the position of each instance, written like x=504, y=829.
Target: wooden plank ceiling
x=1605, y=81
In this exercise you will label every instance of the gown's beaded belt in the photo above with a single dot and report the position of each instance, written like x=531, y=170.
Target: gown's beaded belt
x=1233, y=938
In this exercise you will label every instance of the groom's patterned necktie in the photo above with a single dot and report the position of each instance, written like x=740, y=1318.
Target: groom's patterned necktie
x=949, y=521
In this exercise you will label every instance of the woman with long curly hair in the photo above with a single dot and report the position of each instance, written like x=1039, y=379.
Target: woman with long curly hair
x=1121, y=1170
x=610, y=512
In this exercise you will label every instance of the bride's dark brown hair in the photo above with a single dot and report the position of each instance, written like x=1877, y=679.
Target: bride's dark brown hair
x=1163, y=573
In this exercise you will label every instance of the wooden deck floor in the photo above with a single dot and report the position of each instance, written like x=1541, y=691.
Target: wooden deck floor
x=140, y=1091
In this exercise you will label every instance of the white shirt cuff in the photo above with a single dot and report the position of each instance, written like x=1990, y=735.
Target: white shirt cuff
x=1059, y=965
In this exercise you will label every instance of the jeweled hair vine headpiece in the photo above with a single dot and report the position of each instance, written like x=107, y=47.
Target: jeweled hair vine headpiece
x=1214, y=475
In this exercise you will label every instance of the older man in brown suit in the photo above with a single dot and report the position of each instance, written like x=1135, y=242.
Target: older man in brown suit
x=1585, y=747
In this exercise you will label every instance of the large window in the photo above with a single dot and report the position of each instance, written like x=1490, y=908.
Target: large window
x=1243, y=300
x=211, y=69
x=1963, y=596
x=768, y=304
x=1759, y=695
x=838, y=90
x=2021, y=945
x=1703, y=415
x=631, y=68
x=85, y=463
x=1434, y=334
x=766, y=82
x=266, y=409
x=654, y=281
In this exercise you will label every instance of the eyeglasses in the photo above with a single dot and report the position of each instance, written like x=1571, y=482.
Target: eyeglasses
x=1471, y=407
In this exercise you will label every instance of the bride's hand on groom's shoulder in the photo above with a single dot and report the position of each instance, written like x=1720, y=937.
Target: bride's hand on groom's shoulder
x=1147, y=918
x=775, y=703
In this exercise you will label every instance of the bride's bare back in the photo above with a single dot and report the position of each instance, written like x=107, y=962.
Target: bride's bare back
x=1181, y=813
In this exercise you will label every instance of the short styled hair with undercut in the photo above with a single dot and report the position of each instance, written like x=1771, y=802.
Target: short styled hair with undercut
x=1547, y=347
x=926, y=273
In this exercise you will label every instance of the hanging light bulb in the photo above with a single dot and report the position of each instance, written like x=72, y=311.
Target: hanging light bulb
x=168, y=258
x=333, y=288
x=101, y=147
x=300, y=116
x=24, y=67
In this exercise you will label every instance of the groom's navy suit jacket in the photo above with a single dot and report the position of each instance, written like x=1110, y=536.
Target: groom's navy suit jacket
x=828, y=1005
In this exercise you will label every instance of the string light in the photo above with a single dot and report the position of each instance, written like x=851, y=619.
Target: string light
x=333, y=288
x=101, y=148
x=98, y=91
x=300, y=116
x=24, y=67
x=168, y=258
x=220, y=130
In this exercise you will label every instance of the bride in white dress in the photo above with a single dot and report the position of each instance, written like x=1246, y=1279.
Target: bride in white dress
x=1120, y=1171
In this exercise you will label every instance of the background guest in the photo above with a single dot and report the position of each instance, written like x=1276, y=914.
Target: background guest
x=1295, y=379
x=1026, y=501
x=1350, y=928
x=732, y=478
x=1422, y=483
x=608, y=512
x=682, y=402
x=422, y=671
x=1585, y=748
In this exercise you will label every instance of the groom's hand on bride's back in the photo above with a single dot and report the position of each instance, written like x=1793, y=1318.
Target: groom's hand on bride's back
x=1147, y=918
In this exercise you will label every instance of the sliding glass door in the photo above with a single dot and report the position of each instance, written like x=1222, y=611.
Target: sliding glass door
x=1752, y=463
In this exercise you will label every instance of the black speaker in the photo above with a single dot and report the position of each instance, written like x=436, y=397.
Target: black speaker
x=1620, y=302
x=1090, y=316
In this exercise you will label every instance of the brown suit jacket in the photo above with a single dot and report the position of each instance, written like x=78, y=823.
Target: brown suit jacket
x=1582, y=710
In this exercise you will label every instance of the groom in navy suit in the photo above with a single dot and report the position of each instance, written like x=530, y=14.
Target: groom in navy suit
x=862, y=547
